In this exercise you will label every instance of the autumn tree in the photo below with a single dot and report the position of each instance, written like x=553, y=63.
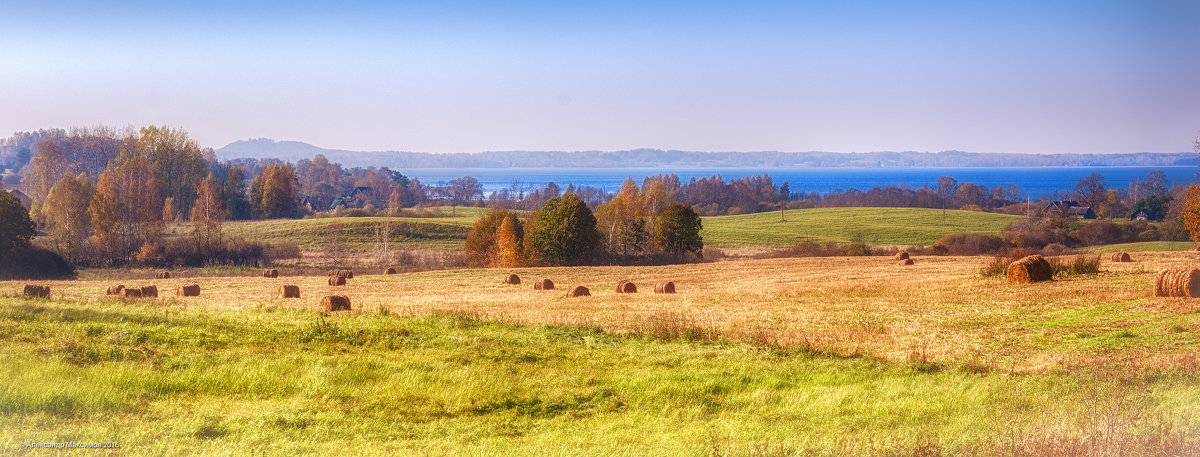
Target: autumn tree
x=1190, y=214
x=177, y=160
x=508, y=242
x=563, y=233
x=208, y=215
x=1091, y=189
x=126, y=209
x=480, y=248
x=16, y=227
x=677, y=231
x=66, y=214
x=621, y=222
x=274, y=192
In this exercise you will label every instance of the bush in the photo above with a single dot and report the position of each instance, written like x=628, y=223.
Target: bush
x=1098, y=232
x=970, y=244
x=563, y=233
x=36, y=263
x=1075, y=265
x=1036, y=232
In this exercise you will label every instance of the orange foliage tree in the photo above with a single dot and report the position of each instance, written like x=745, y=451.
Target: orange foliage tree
x=1190, y=216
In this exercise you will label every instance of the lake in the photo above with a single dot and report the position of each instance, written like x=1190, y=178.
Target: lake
x=1034, y=182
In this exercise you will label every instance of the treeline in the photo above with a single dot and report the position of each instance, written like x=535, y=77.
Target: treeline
x=637, y=226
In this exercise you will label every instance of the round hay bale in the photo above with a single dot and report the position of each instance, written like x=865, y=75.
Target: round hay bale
x=149, y=291
x=512, y=279
x=349, y=274
x=902, y=255
x=626, y=287
x=190, y=290
x=271, y=273
x=1029, y=269
x=664, y=288
x=544, y=284
x=115, y=290
x=389, y=271
x=1183, y=283
x=578, y=291
x=131, y=292
x=906, y=261
x=337, y=280
x=331, y=303
x=289, y=291
x=162, y=275
x=36, y=291
x=1121, y=257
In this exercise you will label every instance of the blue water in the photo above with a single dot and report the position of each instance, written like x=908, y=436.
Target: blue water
x=1034, y=182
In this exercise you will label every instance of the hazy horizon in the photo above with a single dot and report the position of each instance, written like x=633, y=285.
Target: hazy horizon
x=1009, y=77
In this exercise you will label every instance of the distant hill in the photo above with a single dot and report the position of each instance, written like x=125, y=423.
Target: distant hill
x=261, y=148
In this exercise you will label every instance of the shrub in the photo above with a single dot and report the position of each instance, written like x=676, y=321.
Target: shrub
x=1035, y=232
x=970, y=244
x=36, y=263
x=563, y=233
x=1098, y=232
x=1075, y=265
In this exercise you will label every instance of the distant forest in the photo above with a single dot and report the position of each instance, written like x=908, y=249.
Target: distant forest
x=263, y=148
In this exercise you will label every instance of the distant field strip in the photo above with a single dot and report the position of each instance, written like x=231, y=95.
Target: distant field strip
x=888, y=226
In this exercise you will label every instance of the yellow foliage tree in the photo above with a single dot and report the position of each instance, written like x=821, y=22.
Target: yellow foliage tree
x=508, y=243
x=1190, y=216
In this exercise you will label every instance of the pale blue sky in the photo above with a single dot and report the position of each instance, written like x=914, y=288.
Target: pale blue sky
x=1004, y=76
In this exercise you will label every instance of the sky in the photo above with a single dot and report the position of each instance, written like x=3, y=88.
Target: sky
x=1047, y=76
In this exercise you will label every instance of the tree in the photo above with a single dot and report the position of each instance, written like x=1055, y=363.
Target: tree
x=480, y=248
x=622, y=221
x=16, y=227
x=946, y=188
x=177, y=160
x=1190, y=215
x=678, y=230
x=274, y=193
x=464, y=189
x=508, y=242
x=563, y=233
x=208, y=215
x=126, y=208
x=66, y=213
x=1091, y=189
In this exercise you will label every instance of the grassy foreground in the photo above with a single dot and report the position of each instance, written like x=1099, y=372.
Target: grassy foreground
x=834, y=356
x=887, y=226
x=166, y=379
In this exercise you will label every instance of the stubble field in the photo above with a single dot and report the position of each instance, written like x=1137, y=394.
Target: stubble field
x=821, y=356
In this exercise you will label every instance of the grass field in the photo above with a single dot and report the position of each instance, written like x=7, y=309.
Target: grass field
x=1139, y=247
x=819, y=356
x=885, y=226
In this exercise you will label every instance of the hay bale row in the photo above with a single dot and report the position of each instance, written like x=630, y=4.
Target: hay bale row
x=664, y=288
x=906, y=261
x=115, y=290
x=332, y=303
x=289, y=291
x=544, y=284
x=1178, y=283
x=336, y=280
x=626, y=287
x=162, y=275
x=36, y=291
x=1029, y=269
x=389, y=271
x=902, y=255
x=190, y=290
x=578, y=291
x=1121, y=257
x=271, y=273
x=511, y=279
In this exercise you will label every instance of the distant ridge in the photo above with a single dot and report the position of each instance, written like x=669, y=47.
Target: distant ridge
x=264, y=148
